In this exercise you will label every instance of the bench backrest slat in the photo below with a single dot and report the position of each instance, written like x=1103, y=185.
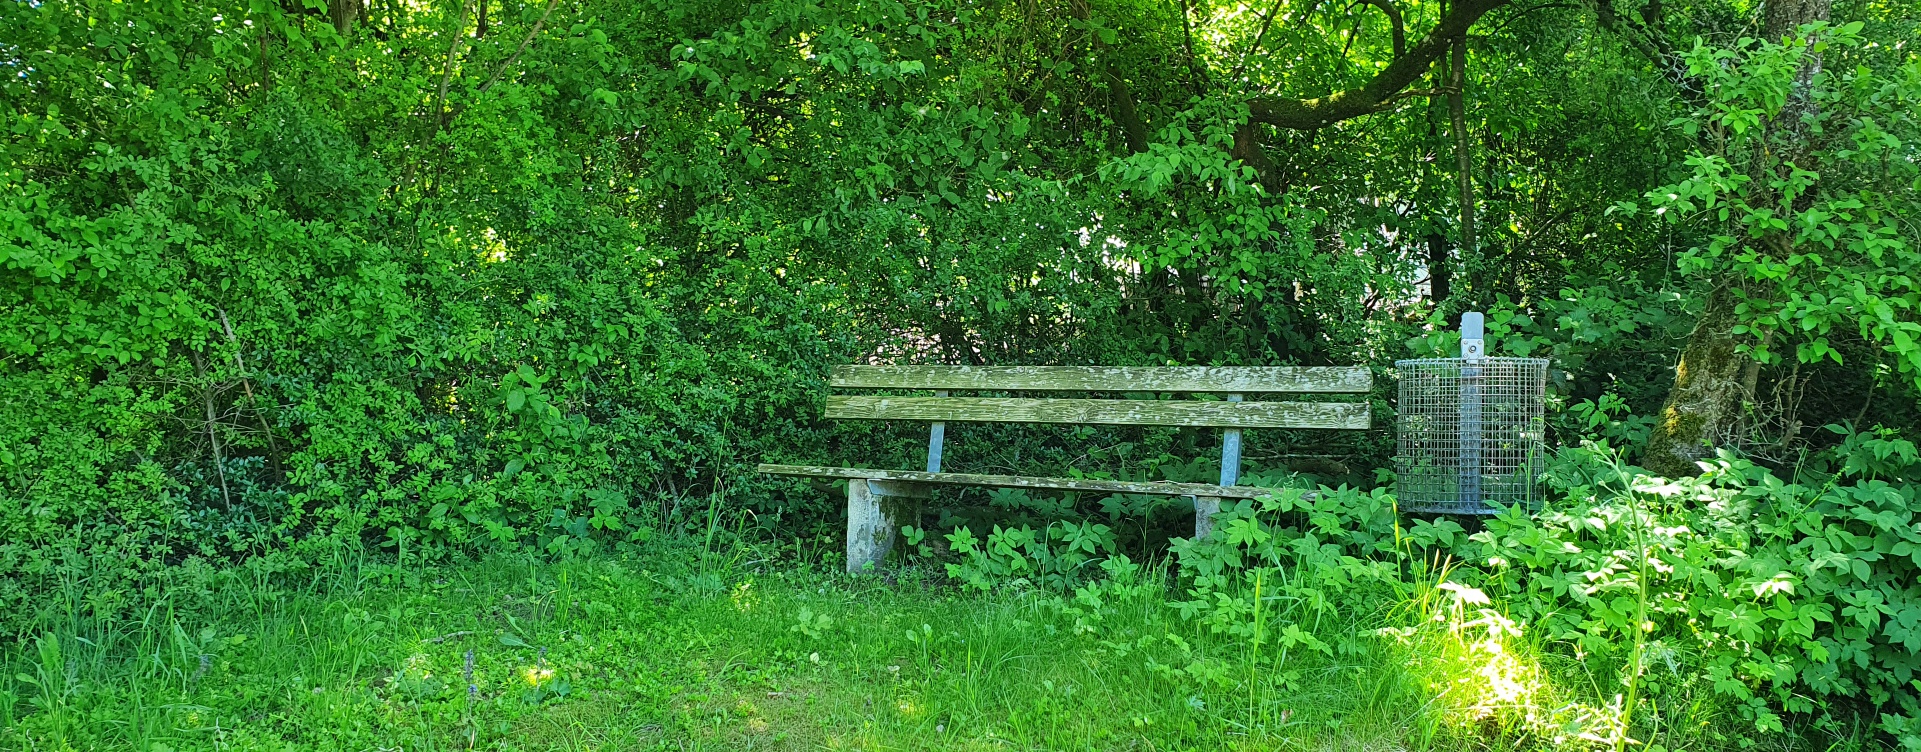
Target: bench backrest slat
x=1247, y=380
x=1352, y=415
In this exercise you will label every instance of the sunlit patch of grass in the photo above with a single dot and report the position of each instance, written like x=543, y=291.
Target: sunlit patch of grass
x=1487, y=683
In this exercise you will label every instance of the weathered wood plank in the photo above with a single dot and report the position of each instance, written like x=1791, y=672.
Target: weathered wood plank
x=1349, y=415
x=1256, y=379
x=1156, y=488
x=900, y=489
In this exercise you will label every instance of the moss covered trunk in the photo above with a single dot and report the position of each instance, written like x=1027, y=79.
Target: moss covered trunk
x=1703, y=407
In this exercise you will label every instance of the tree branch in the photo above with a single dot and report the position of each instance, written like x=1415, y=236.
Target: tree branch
x=522, y=48
x=1646, y=38
x=504, y=64
x=1393, y=16
x=1256, y=46
x=1386, y=86
x=447, y=72
x=1187, y=39
x=1125, y=109
x=1463, y=158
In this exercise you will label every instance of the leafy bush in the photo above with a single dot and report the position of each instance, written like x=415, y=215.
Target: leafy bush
x=1774, y=597
x=260, y=291
x=1773, y=600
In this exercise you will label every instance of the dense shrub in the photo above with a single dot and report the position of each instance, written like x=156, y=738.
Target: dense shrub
x=1775, y=597
x=335, y=286
x=1738, y=590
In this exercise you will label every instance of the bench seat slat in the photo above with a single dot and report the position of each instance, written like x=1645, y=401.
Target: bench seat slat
x=1247, y=380
x=1107, y=412
x=1157, y=488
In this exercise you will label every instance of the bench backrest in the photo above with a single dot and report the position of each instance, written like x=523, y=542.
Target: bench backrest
x=1230, y=413
x=1228, y=382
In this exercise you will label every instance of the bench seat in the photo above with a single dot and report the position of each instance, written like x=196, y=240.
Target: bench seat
x=1155, y=488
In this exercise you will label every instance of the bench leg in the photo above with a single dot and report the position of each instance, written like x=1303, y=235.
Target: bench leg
x=1205, y=508
x=875, y=512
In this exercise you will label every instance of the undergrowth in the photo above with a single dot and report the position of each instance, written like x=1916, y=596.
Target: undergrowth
x=1734, y=610
x=672, y=650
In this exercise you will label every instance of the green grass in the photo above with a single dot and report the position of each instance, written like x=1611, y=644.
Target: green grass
x=677, y=651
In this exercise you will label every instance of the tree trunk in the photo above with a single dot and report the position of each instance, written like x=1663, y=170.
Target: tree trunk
x=1120, y=98
x=1703, y=408
x=1784, y=17
x=1463, y=160
x=343, y=13
x=1704, y=405
x=1440, y=269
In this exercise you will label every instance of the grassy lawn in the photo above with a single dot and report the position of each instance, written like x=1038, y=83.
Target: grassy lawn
x=664, y=652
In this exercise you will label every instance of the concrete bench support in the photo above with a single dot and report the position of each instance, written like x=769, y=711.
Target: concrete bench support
x=876, y=510
x=1205, y=507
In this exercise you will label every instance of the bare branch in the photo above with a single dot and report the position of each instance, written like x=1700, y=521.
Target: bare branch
x=1256, y=46
x=1646, y=38
x=1463, y=158
x=241, y=367
x=1187, y=39
x=502, y=68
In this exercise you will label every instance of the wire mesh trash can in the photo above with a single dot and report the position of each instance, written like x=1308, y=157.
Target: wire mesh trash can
x=1470, y=429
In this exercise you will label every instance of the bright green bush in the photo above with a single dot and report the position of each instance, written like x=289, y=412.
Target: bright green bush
x=1797, y=598
x=1058, y=557
x=269, y=283
x=1775, y=602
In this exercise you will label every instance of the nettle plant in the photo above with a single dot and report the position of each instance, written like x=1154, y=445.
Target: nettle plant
x=1276, y=568
x=1055, y=558
x=1735, y=584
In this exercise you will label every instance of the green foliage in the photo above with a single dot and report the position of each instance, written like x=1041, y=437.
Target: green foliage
x=278, y=281
x=1804, y=187
x=274, y=283
x=630, y=652
x=280, y=284
x=1780, y=602
x=1762, y=593
x=1309, y=549
x=1055, y=558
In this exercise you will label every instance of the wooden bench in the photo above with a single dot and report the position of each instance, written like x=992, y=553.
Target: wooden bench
x=879, y=501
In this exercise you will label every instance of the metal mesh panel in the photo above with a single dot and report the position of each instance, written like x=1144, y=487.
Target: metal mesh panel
x=1470, y=433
